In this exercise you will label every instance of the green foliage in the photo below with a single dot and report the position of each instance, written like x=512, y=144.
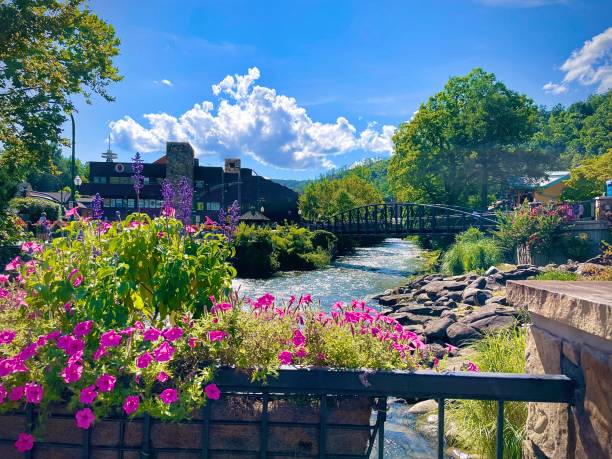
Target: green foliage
x=464, y=142
x=475, y=420
x=31, y=208
x=588, y=180
x=327, y=197
x=139, y=268
x=558, y=276
x=261, y=251
x=13, y=229
x=582, y=130
x=58, y=176
x=472, y=251
x=51, y=50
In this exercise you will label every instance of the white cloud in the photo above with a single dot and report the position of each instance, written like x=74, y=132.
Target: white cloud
x=253, y=120
x=163, y=82
x=590, y=65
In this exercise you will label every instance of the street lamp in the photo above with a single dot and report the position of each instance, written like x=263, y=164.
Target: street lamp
x=78, y=181
x=73, y=160
x=262, y=209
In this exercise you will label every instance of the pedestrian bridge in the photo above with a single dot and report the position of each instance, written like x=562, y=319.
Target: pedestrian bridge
x=402, y=219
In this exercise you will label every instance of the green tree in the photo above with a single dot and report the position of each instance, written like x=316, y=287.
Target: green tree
x=50, y=51
x=588, y=180
x=326, y=197
x=464, y=141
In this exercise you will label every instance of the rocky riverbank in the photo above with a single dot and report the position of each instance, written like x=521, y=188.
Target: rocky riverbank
x=462, y=309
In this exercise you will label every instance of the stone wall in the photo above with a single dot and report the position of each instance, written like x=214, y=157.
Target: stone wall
x=180, y=161
x=571, y=334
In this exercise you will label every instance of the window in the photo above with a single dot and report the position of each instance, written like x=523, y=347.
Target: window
x=97, y=179
x=213, y=205
x=107, y=202
x=199, y=206
x=199, y=183
x=130, y=203
x=120, y=180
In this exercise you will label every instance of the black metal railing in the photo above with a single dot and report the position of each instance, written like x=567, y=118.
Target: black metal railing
x=322, y=384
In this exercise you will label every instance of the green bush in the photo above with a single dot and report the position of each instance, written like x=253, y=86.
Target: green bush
x=476, y=421
x=471, y=251
x=31, y=208
x=136, y=269
x=254, y=252
x=558, y=275
x=12, y=229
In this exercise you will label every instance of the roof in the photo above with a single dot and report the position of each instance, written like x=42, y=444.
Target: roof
x=550, y=178
x=253, y=216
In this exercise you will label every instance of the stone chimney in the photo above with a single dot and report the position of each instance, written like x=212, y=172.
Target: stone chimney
x=180, y=161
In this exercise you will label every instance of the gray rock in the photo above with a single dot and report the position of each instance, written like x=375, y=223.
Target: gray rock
x=455, y=296
x=436, y=329
x=497, y=300
x=478, y=283
x=408, y=318
x=524, y=266
x=423, y=407
x=422, y=298
x=449, y=313
x=492, y=270
x=493, y=323
x=476, y=296
x=488, y=311
x=390, y=300
x=451, y=304
x=416, y=328
x=438, y=286
x=460, y=333
x=424, y=310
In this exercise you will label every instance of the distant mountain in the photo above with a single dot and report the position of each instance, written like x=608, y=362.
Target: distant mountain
x=296, y=185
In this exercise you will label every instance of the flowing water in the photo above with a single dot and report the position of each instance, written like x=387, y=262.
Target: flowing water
x=367, y=272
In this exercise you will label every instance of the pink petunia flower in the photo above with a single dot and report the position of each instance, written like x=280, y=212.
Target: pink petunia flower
x=168, y=396
x=33, y=392
x=143, y=360
x=88, y=395
x=110, y=339
x=72, y=373
x=31, y=247
x=100, y=352
x=300, y=353
x=106, y=382
x=83, y=328
x=4, y=279
x=306, y=299
x=162, y=377
x=152, y=334
x=192, y=342
x=7, y=336
x=216, y=335
x=163, y=352
x=212, y=391
x=85, y=418
x=298, y=338
x=285, y=358
x=16, y=393
x=130, y=404
x=172, y=334
x=13, y=264
x=24, y=443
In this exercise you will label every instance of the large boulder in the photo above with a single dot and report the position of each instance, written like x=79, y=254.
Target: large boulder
x=424, y=310
x=492, y=270
x=438, y=286
x=460, y=333
x=390, y=300
x=435, y=330
x=478, y=283
x=407, y=318
x=489, y=311
x=476, y=296
x=494, y=323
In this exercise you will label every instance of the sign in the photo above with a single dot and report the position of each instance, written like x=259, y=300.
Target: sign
x=232, y=165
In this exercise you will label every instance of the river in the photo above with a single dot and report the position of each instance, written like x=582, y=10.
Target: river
x=367, y=272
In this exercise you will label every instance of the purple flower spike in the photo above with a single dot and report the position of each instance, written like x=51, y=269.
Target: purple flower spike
x=137, y=178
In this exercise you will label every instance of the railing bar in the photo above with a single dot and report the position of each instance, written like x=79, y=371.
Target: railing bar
x=499, y=450
x=263, y=430
x=86, y=452
x=121, y=437
x=381, y=417
x=29, y=428
x=145, y=449
x=323, y=429
x=441, y=428
x=206, y=429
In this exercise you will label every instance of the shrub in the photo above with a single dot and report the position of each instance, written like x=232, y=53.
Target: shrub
x=558, y=275
x=471, y=251
x=12, y=229
x=254, y=252
x=476, y=421
x=136, y=269
x=31, y=208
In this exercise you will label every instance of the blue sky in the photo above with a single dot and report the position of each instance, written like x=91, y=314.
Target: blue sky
x=317, y=84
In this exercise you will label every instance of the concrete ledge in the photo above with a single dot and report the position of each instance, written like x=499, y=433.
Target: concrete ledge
x=586, y=306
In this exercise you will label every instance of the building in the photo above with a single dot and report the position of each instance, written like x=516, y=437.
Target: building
x=214, y=187
x=545, y=190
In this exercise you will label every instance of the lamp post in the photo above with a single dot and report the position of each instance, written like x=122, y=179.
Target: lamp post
x=77, y=183
x=262, y=209
x=73, y=162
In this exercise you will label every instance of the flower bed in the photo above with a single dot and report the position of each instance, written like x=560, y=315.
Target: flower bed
x=126, y=319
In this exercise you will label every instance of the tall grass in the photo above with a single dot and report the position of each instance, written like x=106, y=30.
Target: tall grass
x=558, y=275
x=475, y=420
x=472, y=251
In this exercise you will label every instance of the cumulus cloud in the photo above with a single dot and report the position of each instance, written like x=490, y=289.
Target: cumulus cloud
x=590, y=65
x=163, y=82
x=253, y=120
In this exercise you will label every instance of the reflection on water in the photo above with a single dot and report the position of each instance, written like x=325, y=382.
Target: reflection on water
x=365, y=273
